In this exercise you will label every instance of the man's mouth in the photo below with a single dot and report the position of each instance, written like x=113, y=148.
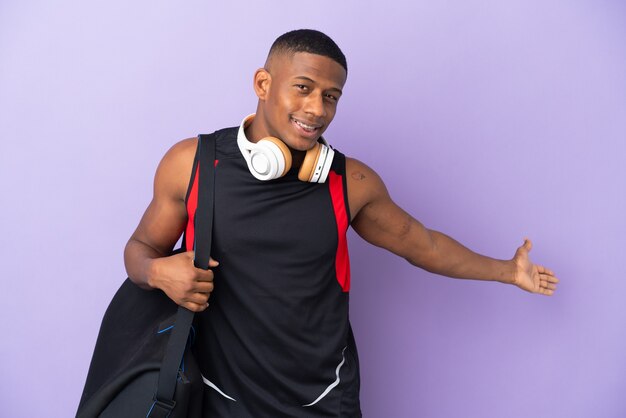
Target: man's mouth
x=308, y=128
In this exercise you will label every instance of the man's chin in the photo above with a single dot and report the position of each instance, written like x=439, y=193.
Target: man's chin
x=302, y=145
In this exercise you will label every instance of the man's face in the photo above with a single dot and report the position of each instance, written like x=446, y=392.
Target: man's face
x=300, y=99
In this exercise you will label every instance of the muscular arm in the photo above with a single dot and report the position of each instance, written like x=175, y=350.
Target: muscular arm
x=146, y=255
x=164, y=219
x=381, y=222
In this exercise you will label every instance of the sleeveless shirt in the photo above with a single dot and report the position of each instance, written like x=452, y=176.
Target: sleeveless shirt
x=275, y=340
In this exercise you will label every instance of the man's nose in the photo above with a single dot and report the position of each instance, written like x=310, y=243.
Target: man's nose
x=315, y=105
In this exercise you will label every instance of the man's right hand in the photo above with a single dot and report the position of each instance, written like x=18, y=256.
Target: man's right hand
x=181, y=281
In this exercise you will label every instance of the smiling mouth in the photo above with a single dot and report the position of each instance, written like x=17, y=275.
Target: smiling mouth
x=305, y=126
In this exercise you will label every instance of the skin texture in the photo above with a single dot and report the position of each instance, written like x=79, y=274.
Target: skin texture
x=305, y=88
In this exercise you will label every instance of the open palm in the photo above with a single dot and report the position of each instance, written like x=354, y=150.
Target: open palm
x=532, y=277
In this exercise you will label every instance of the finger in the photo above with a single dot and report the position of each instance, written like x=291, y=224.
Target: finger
x=549, y=276
x=198, y=298
x=523, y=250
x=204, y=275
x=203, y=287
x=195, y=307
x=212, y=262
x=547, y=292
x=544, y=284
x=528, y=245
x=544, y=270
x=552, y=279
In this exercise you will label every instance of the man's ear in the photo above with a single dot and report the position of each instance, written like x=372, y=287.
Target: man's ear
x=262, y=82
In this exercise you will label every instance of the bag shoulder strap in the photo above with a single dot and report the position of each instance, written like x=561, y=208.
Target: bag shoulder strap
x=164, y=397
x=204, y=224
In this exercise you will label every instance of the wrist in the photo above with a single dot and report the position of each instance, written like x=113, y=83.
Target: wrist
x=152, y=273
x=509, y=273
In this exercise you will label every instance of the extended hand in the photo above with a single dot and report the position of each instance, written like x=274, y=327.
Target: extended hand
x=532, y=277
x=185, y=284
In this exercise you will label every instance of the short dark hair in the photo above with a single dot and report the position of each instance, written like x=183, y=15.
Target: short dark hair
x=311, y=41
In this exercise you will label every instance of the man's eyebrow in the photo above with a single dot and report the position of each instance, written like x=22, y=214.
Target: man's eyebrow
x=305, y=78
x=301, y=77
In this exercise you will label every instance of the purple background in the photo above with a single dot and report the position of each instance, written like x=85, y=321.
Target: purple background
x=489, y=121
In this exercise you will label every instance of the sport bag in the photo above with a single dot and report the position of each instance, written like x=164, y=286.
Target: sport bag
x=142, y=365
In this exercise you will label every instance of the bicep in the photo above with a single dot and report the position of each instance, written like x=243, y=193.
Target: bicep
x=164, y=219
x=386, y=225
x=161, y=224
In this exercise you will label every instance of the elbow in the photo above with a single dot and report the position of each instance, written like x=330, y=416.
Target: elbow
x=426, y=261
x=137, y=268
x=426, y=255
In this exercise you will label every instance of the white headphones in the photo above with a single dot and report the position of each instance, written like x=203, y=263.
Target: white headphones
x=270, y=158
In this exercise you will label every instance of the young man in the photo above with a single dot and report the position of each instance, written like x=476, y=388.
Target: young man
x=275, y=340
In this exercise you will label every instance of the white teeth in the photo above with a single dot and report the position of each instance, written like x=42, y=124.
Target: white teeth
x=305, y=126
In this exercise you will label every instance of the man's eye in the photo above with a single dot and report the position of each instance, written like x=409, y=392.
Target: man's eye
x=302, y=87
x=331, y=97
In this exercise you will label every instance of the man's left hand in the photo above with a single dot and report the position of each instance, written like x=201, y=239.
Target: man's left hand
x=532, y=277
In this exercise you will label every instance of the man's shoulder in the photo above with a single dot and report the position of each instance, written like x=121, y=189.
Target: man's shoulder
x=358, y=170
x=181, y=154
x=184, y=146
x=363, y=183
x=174, y=170
x=352, y=163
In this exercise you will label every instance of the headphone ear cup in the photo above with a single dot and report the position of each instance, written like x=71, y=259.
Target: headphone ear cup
x=307, y=169
x=284, y=151
x=317, y=163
